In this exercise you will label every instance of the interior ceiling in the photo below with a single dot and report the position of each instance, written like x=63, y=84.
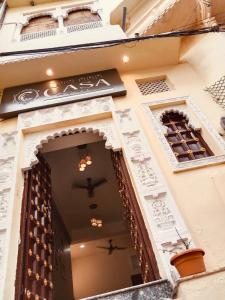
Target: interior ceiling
x=92, y=247
x=73, y=203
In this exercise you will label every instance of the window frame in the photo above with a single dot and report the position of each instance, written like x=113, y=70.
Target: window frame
x=185, y=141
x=154, y=110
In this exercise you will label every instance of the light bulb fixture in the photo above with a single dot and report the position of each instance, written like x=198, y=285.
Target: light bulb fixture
x=125, y=59
x=83, y=163
x=96, y=222
x=82, y=246
x=49, y=72
x=99, y=223
x=88, y=160
x=85, y=157
x=81, y=169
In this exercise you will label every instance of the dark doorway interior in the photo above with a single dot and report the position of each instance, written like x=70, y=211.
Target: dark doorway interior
x=73, y=258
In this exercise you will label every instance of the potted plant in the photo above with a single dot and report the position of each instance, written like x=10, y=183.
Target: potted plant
x=189, y=261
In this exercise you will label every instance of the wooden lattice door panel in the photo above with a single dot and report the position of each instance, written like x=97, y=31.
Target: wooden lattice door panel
x=36, y=253
x=186, y=142
x=138, y=231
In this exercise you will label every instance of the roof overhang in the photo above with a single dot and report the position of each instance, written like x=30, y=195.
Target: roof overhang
x=150, y=53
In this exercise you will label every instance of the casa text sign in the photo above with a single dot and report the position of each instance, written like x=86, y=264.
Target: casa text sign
x=44, y=94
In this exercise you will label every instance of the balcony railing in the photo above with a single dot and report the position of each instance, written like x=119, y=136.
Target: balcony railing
x=85, y=26
x=37, y=35
x=55, y=31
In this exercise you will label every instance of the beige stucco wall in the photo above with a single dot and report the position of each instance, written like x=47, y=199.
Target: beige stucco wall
x=207, y=287
x=205, y=53
x=200, y=193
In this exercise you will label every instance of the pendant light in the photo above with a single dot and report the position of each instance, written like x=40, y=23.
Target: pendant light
x=85, y=157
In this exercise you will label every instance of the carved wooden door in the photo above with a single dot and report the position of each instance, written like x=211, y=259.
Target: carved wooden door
x=34, y=272
x=138, y=231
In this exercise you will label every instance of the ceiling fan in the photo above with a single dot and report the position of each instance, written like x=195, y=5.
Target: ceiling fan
x=90, y=185
x=111, y=248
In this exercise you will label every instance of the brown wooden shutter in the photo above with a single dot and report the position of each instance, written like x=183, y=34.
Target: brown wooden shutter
x=41, y=23
x=35, y=260
x=186, y=142
x=138, y=231
x=81, y=17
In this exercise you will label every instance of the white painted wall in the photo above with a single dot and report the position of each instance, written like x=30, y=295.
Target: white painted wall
x=95, y=272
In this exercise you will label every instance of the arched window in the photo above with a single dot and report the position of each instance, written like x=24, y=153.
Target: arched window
x=186, y=143
x=81, y=16
x=41, y=23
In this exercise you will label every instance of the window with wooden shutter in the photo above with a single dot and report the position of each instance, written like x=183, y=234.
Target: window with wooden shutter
x=81, y=16
x=186, y=142
x=41, y=23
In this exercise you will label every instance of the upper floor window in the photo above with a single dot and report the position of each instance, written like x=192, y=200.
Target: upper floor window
x=186, y=142
x=81, y=16
x=41, y=23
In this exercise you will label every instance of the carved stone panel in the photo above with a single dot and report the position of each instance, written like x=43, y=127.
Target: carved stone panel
x=34, y=141
x=154, y=195
x=6, y=169
x=65, y=112
x=7, y=186
x=7, y=144
x=4, y=202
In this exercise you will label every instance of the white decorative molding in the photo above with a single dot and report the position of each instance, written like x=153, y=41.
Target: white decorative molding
x=61, y=113
x=7, y=144
x=2, y=257
x=7, y=172
x=153, y=193
x=70, y=112
x=4, y=202
x=155, y=110
x=34, y=141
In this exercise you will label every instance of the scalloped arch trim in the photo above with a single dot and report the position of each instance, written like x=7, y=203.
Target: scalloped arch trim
x=32, y=149
x=182, y=113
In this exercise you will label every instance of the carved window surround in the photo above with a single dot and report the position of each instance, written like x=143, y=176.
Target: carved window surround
x=186, y=106
x=121, y=130
x=58, y=14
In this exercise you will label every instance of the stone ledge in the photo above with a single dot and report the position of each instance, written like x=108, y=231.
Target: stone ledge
x=192, y=277
x=156, y=290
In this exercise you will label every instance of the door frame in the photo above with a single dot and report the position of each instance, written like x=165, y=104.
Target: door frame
x=121, y=130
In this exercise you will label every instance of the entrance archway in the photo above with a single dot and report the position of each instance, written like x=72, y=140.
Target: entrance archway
x=39, y=249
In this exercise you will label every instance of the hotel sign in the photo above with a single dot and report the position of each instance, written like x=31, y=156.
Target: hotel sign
x=44, y=94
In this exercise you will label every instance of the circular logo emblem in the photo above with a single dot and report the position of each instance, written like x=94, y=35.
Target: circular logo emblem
x=26, y=96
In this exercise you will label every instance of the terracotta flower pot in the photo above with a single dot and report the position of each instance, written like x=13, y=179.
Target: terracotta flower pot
x=189, y=262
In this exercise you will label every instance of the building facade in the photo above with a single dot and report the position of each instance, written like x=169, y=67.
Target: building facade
x=66, y=68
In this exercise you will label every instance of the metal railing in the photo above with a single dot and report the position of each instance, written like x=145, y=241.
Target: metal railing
x=85, y=26
x=37, y=35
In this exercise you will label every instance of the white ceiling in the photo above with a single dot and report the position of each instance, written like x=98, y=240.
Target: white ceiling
x=72, y=203
x=91, y=247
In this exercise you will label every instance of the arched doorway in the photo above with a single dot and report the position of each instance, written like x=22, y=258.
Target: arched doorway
x=47, y=239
